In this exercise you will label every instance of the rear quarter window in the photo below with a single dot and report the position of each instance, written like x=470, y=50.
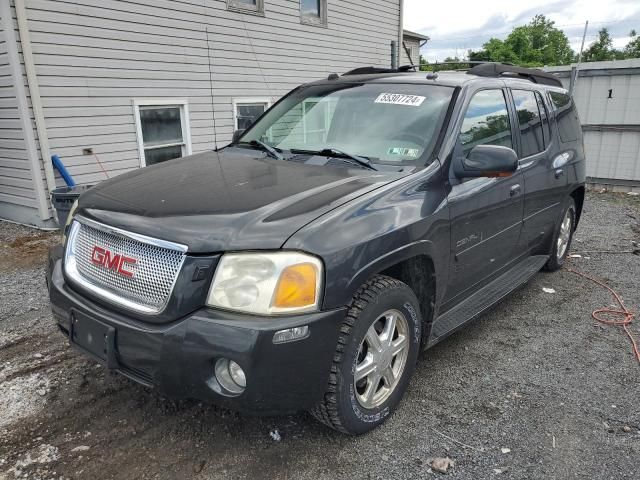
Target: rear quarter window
x=566, y=116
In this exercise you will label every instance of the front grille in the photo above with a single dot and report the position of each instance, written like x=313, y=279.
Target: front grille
x=157, y=265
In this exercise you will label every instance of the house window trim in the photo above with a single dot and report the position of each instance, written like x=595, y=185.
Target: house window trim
x=245, y=101
x=241, y=7
x=320, y=21
x=163, y=102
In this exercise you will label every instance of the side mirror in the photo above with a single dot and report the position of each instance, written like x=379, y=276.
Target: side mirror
x=487, y=161
x=237, y=134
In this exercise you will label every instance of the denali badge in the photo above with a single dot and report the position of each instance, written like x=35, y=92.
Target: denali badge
x=105, y=258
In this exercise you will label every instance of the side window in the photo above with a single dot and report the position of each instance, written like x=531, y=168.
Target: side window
x=546, y=129
x=566, y=116
x=486, y=122
x=530, y=122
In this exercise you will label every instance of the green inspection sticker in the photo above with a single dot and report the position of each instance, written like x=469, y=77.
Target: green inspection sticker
x=405, y=152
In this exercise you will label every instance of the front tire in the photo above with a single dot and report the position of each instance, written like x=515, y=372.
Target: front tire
x=562, y=238
x=375, y=357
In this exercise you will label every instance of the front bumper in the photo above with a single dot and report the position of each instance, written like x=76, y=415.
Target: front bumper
x=178, y=357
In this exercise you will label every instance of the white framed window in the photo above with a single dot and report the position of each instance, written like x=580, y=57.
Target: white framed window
x=162, y=129
x=246, y=6
x=247, y=110
x=313, y=12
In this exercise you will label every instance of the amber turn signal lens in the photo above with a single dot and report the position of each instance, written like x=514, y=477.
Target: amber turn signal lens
x=297, y=286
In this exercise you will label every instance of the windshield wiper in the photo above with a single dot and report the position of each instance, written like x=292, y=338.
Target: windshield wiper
x=334, y=152
x=272, y=152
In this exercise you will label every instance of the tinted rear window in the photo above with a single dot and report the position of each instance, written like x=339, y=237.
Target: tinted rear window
x=566, y=116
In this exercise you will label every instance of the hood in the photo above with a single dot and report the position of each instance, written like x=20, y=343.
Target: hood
x=228, y=200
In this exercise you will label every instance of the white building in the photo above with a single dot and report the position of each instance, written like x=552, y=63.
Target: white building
x=120, y=84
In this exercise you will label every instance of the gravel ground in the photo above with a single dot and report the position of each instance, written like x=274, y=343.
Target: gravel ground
x=533, y=389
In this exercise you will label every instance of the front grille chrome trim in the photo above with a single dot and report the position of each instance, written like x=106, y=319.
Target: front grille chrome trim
x=73, y=273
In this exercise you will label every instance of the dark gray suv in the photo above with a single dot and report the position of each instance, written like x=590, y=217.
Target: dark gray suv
x=305, y=265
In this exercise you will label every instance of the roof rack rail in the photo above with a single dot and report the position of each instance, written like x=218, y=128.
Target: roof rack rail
x=370, y=70
x=489, y=69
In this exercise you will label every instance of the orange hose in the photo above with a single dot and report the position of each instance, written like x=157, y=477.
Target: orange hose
x=626, y=314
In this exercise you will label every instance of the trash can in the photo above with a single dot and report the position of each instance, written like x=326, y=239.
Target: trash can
x=63, y=198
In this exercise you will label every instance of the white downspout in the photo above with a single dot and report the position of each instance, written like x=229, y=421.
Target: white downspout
x=401, y=31
x=23, y=109
x=34, y=91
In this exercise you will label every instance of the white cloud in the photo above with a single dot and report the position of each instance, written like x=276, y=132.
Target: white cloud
x=457, y=27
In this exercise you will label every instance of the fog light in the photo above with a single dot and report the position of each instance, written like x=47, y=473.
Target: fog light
x=237, y=374
x=291, y=334
x=230, y=375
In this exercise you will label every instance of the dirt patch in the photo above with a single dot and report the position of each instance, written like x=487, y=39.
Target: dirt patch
x=27, y=250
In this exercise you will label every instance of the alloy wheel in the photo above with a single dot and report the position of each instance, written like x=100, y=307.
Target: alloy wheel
x=381, y=360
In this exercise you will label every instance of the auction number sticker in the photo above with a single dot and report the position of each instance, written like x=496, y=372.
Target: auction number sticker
x=400, y=99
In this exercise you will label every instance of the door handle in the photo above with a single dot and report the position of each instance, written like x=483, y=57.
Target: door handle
x=514, y=190
x=558, y=173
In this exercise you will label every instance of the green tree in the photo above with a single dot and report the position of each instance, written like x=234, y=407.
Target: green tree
x=535, y=44
x=632, y=50
x=602, y=49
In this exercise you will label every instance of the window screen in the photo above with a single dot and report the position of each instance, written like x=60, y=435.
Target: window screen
x=162, y=135
x=310, y=7
x=248, y=113
x=486, y=122
x=566, y=116
x=529, y=121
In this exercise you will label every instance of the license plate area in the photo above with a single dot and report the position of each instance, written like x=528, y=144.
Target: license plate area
x=93, y=337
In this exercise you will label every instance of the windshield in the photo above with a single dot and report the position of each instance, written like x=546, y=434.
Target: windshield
x=384, y=123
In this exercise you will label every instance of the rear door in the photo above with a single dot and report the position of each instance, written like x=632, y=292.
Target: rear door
x=544, y=184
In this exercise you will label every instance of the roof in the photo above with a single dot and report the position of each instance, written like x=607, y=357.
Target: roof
x=485, y=71
x=607, y=65
x=419, y=36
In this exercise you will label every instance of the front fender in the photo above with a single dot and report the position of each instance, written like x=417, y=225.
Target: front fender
x=378, y=230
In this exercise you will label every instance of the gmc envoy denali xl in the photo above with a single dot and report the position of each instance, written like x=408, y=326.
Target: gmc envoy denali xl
x=304, y=266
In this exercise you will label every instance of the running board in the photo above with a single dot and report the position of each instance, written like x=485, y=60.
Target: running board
x=485, y=298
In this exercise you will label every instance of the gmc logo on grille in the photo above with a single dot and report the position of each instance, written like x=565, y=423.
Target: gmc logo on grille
x=116, y=262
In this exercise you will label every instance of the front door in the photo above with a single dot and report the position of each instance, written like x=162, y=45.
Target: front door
x=486, y=213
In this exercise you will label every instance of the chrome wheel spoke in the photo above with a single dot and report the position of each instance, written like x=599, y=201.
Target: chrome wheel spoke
x=370, y=391
x=365, y=368
x=389, y=377
x=398, y=345
x=389, y=329
x=373, y=339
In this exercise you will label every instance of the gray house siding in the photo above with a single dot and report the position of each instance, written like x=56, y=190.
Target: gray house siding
x=92, y=62
x=23, y=195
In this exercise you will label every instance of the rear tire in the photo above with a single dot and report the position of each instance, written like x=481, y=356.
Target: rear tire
x=378, y=345
x=562, y=238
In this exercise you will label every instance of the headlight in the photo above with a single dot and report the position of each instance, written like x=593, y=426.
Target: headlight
x=267, y=283
x=72, y=211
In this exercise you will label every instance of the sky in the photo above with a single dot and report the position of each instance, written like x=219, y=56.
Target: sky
x=460, y=25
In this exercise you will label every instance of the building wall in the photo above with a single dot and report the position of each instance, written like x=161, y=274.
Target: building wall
x=413, y=45
x=93, y=59
x=611, y=123
x=23, y=196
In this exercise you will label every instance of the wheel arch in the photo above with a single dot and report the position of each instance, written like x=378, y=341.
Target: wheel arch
x=418, y=273
x=578, y=197
x=414, y=265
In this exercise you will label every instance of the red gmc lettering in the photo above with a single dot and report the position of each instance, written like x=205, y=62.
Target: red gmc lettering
x=116, y=262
